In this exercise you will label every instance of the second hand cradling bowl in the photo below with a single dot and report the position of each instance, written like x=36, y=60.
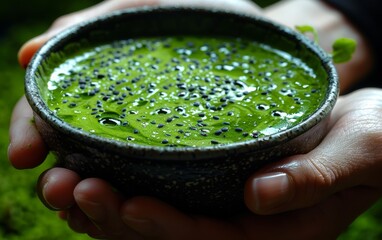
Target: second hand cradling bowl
x=202, y=179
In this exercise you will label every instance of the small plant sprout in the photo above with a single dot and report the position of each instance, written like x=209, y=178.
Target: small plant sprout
x=342, y=48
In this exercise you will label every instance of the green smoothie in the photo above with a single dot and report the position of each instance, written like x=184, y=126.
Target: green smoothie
x=182, y=91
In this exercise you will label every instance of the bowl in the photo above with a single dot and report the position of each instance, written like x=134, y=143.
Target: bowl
x=205, y=179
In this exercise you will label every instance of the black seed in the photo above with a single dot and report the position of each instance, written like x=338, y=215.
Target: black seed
x=169, y=119
x=245, y=134
x=153, y=122
x=160, y=125
x=192, y=128
x=226, y=123
x=163, y=111
x=164, y=141
x=216, y=117
x=196, y=104
x=218, y=132
x=214, y=142
x=261, y=107
x=225, y=129
x=136, y=131
x=276, y=113
x=255, y=134
x=201, y=114
x=182, y=94
x=100, y=76
x=179, y=124
x=238, y=129
x=72, y=105
x=230, y=113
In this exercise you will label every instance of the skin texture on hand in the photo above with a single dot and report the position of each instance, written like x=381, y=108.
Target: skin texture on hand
x=310, y=196
x=330, y=25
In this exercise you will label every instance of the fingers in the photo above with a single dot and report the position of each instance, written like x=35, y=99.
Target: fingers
x=27, y=51
x=101, y=204
x=326, y=220
x=26, y=149
x=154, y=219
x=55, y=188
x=349, y=156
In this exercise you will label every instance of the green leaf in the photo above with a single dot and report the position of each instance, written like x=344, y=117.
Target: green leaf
x=343, y=49
x=306, y=29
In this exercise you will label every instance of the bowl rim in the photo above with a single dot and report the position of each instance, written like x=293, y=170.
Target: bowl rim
x=39, y=107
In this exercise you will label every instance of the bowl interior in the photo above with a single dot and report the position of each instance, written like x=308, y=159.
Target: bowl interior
x=149, y=22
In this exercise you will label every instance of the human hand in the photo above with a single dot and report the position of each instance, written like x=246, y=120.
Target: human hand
x=27, y=149
x=82, y=200
x=330, y=25
x=309, y=196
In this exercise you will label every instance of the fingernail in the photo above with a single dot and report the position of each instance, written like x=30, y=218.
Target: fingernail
x=43, y=198
x=271, y=191
x=142, y=226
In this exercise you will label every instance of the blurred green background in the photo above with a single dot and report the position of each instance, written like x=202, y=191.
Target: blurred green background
x=22, y=216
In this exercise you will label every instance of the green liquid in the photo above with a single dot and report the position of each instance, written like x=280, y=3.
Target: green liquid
x=183, y=91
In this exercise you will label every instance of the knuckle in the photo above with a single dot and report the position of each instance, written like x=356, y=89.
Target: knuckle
x=324, y=174
x=61, y=21
x=67, y=20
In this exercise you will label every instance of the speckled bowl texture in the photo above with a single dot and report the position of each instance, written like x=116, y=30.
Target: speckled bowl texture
x=207, y=180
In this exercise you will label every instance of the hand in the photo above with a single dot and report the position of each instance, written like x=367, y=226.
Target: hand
x=309, y=196
x=27, y=149
x=332, y=201
x=330, y=25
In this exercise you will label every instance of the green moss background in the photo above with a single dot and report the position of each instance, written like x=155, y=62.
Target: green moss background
x=22, y=216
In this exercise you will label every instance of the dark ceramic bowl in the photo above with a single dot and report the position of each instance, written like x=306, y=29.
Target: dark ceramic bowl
x=207, y=180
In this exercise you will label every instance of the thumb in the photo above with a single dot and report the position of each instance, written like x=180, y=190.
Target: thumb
x=29, y=48
x=348, y=157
